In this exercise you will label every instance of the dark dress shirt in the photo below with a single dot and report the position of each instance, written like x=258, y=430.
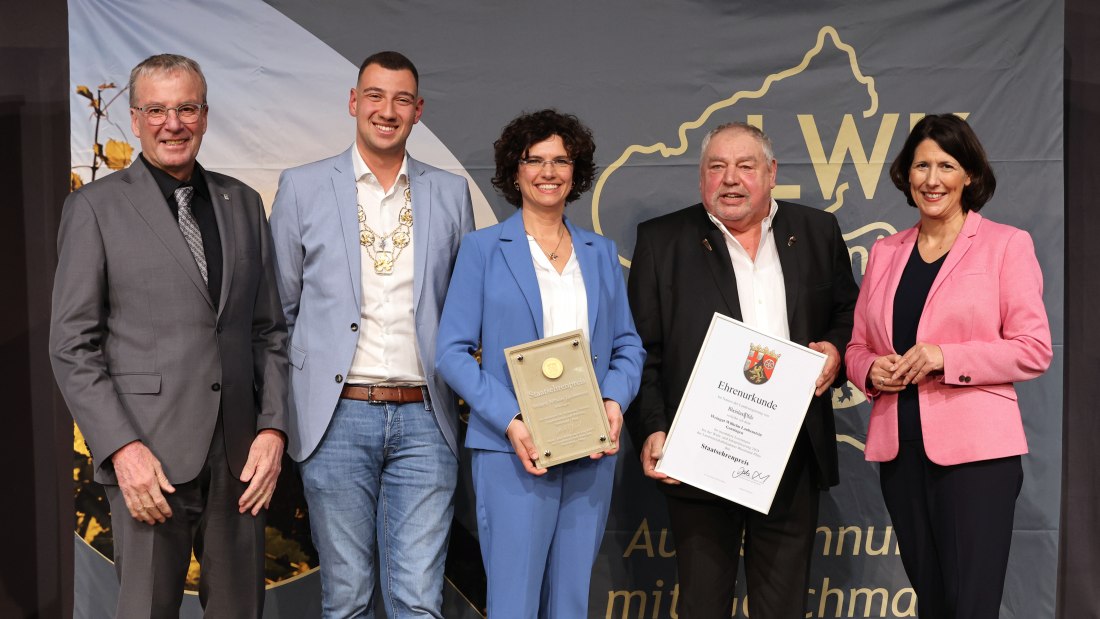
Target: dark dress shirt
x=203, y=209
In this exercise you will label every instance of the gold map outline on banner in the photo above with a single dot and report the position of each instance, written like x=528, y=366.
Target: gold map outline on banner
x=847, y=395
x=666, y=151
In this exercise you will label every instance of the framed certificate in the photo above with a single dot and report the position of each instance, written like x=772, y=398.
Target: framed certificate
x=741, y=413
x=559, y=397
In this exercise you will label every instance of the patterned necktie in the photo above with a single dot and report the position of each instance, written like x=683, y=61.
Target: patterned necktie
x=190, y=228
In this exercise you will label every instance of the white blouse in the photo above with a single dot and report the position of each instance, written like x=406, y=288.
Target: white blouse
x=564, y=302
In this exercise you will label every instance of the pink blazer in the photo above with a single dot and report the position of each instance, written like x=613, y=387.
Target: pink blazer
x=985, y=312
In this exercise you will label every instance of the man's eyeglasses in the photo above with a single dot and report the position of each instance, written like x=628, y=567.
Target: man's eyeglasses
x=187, y=113
x=536, y=163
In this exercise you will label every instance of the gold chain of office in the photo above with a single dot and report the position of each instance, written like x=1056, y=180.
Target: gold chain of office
x=399, y=237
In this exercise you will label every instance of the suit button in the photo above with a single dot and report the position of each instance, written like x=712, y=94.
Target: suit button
x=967, y=379
x=354, y=327
x=339, y=378
x=595, y=358
x=218, y=329
x=216, y=387
x=962, y=379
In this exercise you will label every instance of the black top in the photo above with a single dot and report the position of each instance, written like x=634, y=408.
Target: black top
x=203, y=209
x=912, y=292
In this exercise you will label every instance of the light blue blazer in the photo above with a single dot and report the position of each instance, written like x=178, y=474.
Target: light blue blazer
x=314, y=222
x=494, y=300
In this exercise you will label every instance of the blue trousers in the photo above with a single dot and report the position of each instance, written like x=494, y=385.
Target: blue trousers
x=540, y=535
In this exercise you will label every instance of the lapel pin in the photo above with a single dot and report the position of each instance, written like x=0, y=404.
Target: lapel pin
x=706, y=244
x=225, y=196
x=791, y=241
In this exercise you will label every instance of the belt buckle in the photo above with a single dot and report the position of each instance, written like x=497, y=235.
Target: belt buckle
x=370, y=394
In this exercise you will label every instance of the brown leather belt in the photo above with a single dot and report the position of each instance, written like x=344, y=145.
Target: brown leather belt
x=378, y=393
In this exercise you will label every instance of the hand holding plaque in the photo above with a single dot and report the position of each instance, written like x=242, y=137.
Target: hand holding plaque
x=559, y=398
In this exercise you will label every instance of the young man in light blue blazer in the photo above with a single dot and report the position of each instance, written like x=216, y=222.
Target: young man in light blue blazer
x=365, y=242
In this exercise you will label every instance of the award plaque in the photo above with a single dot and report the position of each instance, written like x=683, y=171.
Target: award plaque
x=559, y=397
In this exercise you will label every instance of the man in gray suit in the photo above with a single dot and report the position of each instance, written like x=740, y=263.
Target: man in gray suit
x=168, y=344
x=365, y=242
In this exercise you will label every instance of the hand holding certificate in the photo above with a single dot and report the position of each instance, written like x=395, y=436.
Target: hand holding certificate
x=741, y=413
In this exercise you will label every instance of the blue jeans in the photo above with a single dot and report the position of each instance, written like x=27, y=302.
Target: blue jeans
x=383, y=477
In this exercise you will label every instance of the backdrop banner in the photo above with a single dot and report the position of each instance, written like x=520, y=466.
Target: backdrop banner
x=837, y=85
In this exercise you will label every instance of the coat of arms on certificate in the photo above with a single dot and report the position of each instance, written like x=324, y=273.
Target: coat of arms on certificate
x=760, y=364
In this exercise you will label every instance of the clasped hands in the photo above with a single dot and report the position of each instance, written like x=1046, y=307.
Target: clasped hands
x=892, y=373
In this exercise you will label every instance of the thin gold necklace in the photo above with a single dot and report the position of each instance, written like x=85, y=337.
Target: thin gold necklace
x=552, y=255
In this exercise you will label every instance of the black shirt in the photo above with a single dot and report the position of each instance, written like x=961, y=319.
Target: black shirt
x=203, y=209
x=916, y=281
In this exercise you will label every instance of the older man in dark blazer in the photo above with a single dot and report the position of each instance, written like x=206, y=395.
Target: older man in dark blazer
x=168, y=343
x=784, y=269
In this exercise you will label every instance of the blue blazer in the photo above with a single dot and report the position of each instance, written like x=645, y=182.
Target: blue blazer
x=314, y=222
x=494, y=301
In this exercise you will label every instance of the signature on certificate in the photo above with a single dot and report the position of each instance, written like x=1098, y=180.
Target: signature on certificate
x=748, y=474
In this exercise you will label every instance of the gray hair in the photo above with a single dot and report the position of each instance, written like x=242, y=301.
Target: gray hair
x=161, y=64
x=756, y=132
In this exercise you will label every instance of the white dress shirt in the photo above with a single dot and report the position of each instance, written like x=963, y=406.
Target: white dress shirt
x=760, y=287
x=564, y=301
x=386, y=353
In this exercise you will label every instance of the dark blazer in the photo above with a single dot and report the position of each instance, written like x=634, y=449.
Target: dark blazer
x=681, y=275
x=139, y=350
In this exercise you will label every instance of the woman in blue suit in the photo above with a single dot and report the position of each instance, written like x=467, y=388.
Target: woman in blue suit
x=533, y=276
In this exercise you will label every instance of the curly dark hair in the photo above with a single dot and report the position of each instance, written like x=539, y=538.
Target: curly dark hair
x=957, y=139
x=527, y=130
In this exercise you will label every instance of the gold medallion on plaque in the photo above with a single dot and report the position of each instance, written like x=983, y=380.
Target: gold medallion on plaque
x=557, y=392
x=552, y=368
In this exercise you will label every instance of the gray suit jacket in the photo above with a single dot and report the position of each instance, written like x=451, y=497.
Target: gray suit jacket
x=315, y=225
x=138, y=348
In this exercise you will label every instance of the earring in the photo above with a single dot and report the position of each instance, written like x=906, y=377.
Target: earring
x=516, y=184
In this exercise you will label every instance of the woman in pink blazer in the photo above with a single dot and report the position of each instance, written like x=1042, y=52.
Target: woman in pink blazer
x=950, y=314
